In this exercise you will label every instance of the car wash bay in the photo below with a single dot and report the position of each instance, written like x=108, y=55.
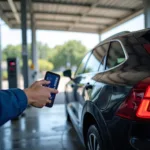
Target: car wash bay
x=40, y=129
x=47, y=129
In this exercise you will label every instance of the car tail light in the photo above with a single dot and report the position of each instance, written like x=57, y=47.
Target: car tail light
x=147, y=47
x=137, y=104
x=144, y=108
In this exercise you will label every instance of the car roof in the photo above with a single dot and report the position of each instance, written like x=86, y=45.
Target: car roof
x=118, y=34
x=137, y=34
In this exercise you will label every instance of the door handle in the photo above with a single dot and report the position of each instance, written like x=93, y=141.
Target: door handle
x=88, y=86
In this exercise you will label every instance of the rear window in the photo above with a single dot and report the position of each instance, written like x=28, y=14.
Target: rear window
x=115, y=55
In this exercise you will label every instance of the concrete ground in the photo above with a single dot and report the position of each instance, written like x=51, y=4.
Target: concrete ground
x=41, y=129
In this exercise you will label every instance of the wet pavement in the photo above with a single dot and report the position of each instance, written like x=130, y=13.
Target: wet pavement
x=40, y=129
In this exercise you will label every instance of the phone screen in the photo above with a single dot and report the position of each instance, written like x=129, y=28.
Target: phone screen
x=54, y=81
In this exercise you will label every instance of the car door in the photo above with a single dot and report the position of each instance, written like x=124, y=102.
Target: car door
x=112, y=78
x=71, y=87
x=87, y=86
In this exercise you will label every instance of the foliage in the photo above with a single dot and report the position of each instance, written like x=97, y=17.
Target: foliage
x=43, y=50
x=45, y=65
x=4, y=75
x=12, y=51
x=71, y=52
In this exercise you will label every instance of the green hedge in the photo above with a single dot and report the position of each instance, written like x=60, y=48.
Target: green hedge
x=4, y=75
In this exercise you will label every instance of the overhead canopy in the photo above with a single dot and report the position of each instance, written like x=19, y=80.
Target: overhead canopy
x=93, y=16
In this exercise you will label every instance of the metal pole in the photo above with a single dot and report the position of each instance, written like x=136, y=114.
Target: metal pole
x=34, y=51
x=0, y=58
x=100, y=38
x=147, y=13
x=24, y=41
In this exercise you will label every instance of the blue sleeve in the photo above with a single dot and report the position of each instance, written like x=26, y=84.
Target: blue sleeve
x=12, y=103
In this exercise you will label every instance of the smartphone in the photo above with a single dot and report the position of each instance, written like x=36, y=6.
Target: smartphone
x=54, y=82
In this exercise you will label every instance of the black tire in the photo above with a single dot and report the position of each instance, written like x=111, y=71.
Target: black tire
x=67, y=115
x=93, y=139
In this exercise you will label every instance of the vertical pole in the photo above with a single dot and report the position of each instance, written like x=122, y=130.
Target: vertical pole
x=33, y=46
x=24, y=41
x=100, y=38
x=147, y=13
x=0, y=58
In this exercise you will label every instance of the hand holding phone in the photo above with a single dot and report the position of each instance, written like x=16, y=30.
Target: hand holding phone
x=54, y=82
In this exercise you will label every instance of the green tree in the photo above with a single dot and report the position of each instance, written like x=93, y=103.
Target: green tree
x=43, y=50
x=45, y=65
x=16, y=50
x=12, y=51
x=71, y=52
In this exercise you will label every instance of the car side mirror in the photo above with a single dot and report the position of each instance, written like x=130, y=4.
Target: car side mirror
x=68, y=73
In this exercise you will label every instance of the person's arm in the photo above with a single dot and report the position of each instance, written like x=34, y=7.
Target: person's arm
x=12, y=103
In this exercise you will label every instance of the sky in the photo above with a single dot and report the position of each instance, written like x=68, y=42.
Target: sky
x=53, y=38
x=134, y=24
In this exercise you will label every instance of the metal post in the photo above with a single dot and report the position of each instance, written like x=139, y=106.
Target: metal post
x=33, y=46
x=100, y=38
x=147, y=13
x=24, y=41
x=0, y=58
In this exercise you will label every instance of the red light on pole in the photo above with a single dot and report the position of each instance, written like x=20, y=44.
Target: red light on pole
x=12, y=63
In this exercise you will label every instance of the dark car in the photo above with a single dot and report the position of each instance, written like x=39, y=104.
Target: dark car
x=108, y=99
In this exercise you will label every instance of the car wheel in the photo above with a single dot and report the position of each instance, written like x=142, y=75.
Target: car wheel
x=67, y=115
x=93, y=140
x=68, y=118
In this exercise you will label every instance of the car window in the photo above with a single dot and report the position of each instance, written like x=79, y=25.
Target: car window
x=115, y=55
x=103, y=50
x=96, y=58
x=92, y=64
x=81, y=67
